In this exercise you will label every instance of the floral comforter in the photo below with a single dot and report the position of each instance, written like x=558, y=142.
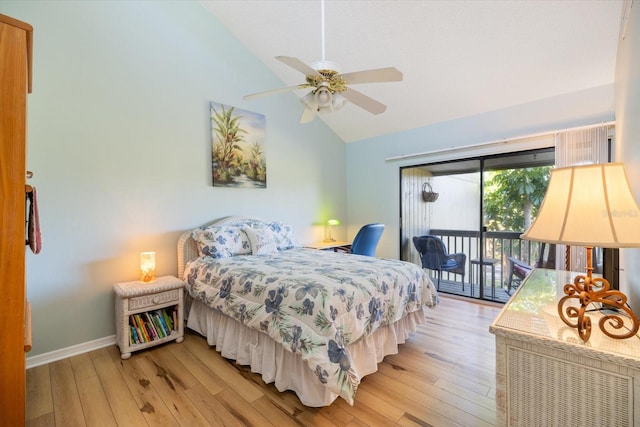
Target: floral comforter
x=314, y=303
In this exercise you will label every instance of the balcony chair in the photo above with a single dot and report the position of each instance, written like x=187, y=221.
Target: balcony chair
x=517, y=270
x=434, y=256
x=366, y=241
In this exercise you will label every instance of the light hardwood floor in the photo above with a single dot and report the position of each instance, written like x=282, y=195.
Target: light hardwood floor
x=443, y=376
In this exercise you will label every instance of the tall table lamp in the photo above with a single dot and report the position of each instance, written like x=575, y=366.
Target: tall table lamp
x=590, y=206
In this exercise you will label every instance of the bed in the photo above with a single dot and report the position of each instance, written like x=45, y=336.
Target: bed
x=314, y=322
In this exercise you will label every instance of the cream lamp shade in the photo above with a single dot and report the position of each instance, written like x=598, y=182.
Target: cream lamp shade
x=588, y=206
x=591, y=206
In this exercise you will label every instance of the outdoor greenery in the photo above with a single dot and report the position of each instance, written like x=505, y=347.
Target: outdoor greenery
x=513, y=196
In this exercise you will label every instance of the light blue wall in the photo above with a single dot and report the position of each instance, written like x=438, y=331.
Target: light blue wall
x=373, y=187
x=119, y=142
x=628, y=140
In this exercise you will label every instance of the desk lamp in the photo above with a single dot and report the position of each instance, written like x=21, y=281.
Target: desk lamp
x=590, y=206
x=330, y=224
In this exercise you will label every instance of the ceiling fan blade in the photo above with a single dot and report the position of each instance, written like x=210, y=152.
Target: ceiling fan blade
x=298, y=65
x=363, y=101
x=307, y=115
x=379, y=75
x=275, y=91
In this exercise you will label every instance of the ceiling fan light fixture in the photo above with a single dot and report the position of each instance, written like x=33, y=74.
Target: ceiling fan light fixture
x=323, y=97
x=330, y=91
x=309, y=101
x=338, y=102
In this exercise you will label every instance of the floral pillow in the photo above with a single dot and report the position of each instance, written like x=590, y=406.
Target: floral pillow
x=221, y=242
x=284, y=235
x=262, y=240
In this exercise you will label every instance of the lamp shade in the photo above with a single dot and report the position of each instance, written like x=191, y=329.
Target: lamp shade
x=588, y=206
x=323, y=97
x=147, y=266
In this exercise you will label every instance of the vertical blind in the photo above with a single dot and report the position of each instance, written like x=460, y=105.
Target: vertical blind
x=573, y=148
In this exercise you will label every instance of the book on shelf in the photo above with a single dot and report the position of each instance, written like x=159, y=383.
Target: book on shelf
x=156, y=322
x=160, y=321
x=150, y=332
x=134, y=327
x=167, y=320
x=143, y=329
x=152, y=325
x=133, y=335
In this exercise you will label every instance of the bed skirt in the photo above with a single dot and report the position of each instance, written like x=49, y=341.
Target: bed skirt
x=285, y=369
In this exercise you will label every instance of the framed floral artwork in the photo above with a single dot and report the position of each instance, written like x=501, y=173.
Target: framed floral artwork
x=238, y=140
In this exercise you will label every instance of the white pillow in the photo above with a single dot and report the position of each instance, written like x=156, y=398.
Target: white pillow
x=262, y=240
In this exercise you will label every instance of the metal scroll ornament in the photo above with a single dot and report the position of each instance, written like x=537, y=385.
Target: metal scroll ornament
x=588, y=291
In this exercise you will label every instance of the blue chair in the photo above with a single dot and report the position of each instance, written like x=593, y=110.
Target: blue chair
x=366, y=241
x=434, y=256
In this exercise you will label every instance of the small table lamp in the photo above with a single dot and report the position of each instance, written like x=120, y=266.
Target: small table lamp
x=331, y=223
x=590, y=206
x=147, y=266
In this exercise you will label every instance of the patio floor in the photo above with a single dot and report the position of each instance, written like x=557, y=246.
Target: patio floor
x=451, y=287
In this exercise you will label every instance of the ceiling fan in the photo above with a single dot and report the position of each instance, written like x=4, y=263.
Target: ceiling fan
x=330, y=89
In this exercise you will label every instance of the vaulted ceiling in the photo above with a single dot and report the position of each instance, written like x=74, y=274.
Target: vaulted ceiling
x=459, y=58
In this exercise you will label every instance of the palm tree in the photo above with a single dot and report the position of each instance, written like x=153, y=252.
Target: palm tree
x=226, y=153
x=256, y=169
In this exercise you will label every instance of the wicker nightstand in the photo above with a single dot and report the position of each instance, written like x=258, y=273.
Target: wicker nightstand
x=149, y=314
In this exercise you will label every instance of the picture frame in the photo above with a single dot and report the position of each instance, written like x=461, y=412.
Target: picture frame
x=238, y=139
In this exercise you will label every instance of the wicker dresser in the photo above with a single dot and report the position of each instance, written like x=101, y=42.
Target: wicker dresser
x=546, y=376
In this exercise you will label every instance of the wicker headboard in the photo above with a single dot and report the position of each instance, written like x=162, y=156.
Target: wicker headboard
x=187, y=247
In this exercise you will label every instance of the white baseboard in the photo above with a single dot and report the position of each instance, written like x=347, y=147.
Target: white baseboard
x=74, y=350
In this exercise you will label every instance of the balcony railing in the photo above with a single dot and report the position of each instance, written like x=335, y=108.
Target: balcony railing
x=499, y=246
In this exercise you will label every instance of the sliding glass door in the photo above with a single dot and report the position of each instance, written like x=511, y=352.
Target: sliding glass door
x=481, y=208
x=450, y=214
